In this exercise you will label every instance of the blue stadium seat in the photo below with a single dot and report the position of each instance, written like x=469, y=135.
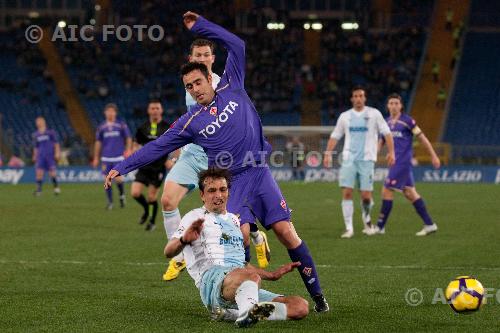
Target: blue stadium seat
x=474, y=117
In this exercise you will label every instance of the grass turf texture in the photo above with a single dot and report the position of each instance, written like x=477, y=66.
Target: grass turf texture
x=67, y=265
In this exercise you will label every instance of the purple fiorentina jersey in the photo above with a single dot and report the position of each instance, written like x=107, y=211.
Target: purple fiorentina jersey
x=402, y=132
x=228, y=129
x=112, y=137
x=44, y=143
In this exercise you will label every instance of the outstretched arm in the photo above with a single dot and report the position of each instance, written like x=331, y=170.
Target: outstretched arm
x=234, y=71
x=174, y=138
x=277, y=274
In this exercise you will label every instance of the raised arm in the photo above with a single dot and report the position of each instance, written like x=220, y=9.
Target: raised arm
x=182, y=238
x=234, y=72
x=176, y=137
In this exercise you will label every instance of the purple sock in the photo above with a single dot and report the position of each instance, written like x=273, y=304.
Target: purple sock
x=39, y=186
x=307, y=269
x=120, y=188
x=385, y=210
x=247, y=253
x=422, y=211
x=109, y=194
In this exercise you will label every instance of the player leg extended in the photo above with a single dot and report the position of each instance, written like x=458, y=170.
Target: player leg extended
x=429, y=226
x=271, y=209
x=170, y=199
x=222, y=286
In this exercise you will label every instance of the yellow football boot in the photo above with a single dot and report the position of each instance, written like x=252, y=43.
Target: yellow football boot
x=174, y=269
x=263, y=252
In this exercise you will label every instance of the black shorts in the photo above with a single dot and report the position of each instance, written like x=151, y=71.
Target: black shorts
x=148, y=176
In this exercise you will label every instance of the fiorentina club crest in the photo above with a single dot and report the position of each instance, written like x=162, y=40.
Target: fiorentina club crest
x=307, y=271
x=283, y=204
x=213, y=110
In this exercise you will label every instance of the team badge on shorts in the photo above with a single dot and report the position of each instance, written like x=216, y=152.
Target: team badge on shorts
x=283, y=204
x=307, y=271
x=213, y=110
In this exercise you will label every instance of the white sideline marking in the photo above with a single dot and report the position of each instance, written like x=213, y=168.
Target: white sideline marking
x=96, y=263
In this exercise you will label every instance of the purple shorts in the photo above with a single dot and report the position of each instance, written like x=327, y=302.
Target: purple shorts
x=106, y=167
x=255, y=194
x=45, y=163
x=400, y=177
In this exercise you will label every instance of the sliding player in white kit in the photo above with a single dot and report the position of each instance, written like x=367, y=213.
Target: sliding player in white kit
x=212, y=242
x=361, y=127
x=183, y=177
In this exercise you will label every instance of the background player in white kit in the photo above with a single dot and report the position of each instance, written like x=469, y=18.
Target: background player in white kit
x=212, y=242
x=183, y=177
x=361, y=127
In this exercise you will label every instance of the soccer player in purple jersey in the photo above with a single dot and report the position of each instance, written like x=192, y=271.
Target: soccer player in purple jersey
x=400, y=177
x=46, y=152
x=113, y=141
x=225, y=123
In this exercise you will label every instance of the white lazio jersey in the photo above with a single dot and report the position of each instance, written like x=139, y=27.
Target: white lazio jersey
x=361, y=131
x=192, y=148
x=220, y=242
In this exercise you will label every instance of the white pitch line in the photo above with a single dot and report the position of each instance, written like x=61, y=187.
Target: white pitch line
x=126, y=263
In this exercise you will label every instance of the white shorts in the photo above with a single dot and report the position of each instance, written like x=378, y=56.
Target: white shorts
x=186, y=169
x=357, y=172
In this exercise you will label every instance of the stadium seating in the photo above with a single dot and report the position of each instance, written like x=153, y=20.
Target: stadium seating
x=485, y=13
x=27, y=92
x=383, y=63
x=474, y=119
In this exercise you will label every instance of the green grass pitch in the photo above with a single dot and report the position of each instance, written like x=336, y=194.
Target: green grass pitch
x=67, y=265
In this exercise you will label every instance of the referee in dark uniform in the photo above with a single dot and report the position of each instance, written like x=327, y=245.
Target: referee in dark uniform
x=152, y=175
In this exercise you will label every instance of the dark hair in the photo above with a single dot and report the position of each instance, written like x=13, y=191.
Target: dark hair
x=358, y=87
x=215, y=173
x=396, y=96
x=111, y=106
x=192, y=66
x=154, y=101
x=202, y=42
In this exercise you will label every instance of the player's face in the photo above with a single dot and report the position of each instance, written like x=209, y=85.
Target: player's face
x=215, y=195
x=40, y=123
x=358, y=99
x=394, y=106
x=203, y=54
x=155, y=111
x=110, y=114
x=199, y=87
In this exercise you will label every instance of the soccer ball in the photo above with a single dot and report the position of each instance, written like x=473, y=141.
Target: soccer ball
x=465, y=294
